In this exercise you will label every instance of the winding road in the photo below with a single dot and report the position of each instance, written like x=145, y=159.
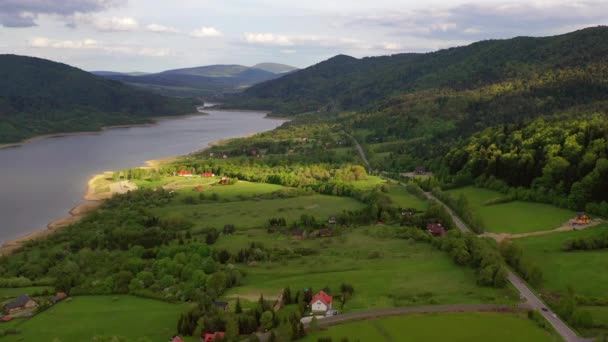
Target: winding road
x=533, y=301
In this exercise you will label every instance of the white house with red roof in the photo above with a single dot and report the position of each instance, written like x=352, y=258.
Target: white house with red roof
x=321, y=302
x=184, y=173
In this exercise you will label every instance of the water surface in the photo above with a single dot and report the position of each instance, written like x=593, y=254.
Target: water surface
x=43, y=179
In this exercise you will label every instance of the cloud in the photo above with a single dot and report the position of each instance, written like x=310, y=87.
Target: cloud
x=205, y=32
x=24, y=13
x=288, y=51
x=156, y=28
x=268, y=39
x=481, y=20
x=106, y=24
x=91, y=44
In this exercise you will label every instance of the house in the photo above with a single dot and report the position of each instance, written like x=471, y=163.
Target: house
x=297, y=233
x=6, y=319
x=221, y=305
x=420, y=170
x=332, y=220
x=176, y=339
x=224, y=156
x=184, y=173
x=435, y=229
x=59, y=297
x=581, y=218
x=207, y=175
x=325, y=232
x=224, y=181
x=23, y=302
x=321, y=302
x=216, y=336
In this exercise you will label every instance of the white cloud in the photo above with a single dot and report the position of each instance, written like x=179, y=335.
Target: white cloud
x=391, y=46
x=161, y=29
x=205, y=32
x=46, y=43
x=268, y=39
x=105, y=24
x=288, y=51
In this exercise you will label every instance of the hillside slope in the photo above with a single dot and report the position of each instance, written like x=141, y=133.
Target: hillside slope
x=39, y=96
x=344, y=82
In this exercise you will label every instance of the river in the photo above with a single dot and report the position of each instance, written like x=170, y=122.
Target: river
x=43, y=179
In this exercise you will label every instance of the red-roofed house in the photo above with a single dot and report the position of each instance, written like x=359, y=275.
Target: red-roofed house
x=184, y=173
x=208, y=175
x=176, y=339
x=216, y=336
x=436, y=229
x=321, y=302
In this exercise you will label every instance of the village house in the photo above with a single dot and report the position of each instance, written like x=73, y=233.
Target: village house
x=184, y=173
x=332, y=220
x=176, y=339
x=207, y=175
x=221, y=305
x=435, y=229
x=581, y=218
x=420, y=170
x=224, y=181
x=23, y=302
x=58, y=297
x=218, y=335
x=321, y=302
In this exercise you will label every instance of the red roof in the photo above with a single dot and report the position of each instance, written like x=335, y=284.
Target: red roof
x=323, y=297
x=207, y=174
x=184, y=173
x=6, y=318
x=436, y=229
x=211, y=337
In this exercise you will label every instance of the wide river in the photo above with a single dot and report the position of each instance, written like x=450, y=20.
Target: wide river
x=40, y=181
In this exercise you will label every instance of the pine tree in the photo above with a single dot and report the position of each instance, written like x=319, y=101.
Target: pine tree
x=238, y=309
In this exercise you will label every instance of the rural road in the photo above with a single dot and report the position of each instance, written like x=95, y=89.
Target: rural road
x=532, y=300
x=359, y=149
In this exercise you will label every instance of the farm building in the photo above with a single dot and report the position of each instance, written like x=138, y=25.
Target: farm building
x=59, y=296
x=581, y=218
x=23, y=302
x=184, y=173
x=224, y=181
x=321, y=302
x=435, y=229
x=206, y=337
x=207, y=174
x=221, y=305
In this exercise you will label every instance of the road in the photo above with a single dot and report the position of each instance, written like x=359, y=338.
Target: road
x=532, y=300
x=359, y=149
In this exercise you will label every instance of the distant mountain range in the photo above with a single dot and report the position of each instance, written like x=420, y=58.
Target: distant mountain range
x=38, y=96
x=210, y=81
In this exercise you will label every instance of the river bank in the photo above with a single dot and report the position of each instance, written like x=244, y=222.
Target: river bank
x=100, y=187
x=155, y=121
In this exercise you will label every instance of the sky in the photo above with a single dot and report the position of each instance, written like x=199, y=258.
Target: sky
x=156, y=35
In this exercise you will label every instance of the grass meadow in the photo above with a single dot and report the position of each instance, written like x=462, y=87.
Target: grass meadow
x=79, y=319
x=470, y=327
x=513, y=217
x=385, y=272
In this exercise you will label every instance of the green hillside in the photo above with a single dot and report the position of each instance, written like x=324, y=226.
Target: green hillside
x=344, y=82
x=38, y=96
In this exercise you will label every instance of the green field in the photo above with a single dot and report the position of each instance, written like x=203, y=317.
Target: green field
x=513, y=217
x=82, y=318
x=385, y=272
x=402, y=198
x=255, y=213
x=470, y=327
x=585, y=271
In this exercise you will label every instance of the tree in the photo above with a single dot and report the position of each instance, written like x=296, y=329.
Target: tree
x=232, y=329
x=314, y=324
x=346, y=292
x=237, y=308
x=287, y=296
x=267, y=320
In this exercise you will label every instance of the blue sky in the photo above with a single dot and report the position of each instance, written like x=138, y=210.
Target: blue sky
x=154, y=35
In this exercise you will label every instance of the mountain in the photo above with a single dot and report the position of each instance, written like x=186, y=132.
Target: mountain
x=344, y=82
x=108, y=73
x=206, y=81
x=39, y=96
x=275, y=68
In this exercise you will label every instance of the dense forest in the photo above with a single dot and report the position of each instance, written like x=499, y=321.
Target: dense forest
x=345, y=82
x=39, y=97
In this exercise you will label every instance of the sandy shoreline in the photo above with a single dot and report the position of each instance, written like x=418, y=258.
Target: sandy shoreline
x=93, y=198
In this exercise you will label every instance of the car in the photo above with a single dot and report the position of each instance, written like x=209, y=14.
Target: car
x=545, y=309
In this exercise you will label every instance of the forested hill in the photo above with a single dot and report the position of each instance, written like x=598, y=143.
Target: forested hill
x=39, y=96
x=345, y=82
